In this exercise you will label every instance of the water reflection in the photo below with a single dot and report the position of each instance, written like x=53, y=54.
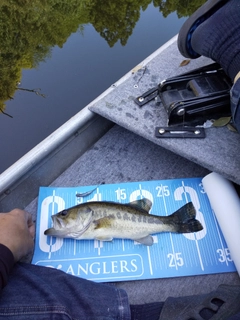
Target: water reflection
x=30, y=29
x=183, y=8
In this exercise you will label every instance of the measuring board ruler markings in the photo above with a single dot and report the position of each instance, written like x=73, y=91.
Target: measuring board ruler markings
x=171, y=255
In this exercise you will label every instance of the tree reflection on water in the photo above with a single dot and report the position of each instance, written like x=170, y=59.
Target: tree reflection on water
x=30, y=29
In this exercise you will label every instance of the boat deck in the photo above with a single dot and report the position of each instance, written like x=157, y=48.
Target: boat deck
x=218, y=152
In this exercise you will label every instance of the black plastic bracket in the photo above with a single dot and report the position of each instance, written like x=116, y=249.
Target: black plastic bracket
x=147, y=96
x=179, y=132
x=192, y=98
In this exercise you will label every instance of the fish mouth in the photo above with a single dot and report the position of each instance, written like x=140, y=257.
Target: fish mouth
x=58, y=228
x=55, y=233
x=58, y=224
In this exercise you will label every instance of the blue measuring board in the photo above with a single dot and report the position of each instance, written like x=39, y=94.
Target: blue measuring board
x=171, y=255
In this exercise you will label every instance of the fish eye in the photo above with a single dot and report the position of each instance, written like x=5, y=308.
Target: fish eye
x=64, y=213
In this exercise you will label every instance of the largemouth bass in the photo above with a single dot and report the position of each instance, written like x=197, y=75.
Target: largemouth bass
x=107, y=220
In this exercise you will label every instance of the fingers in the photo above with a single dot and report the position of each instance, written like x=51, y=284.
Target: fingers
x=29, y=222
x=26, y=217
x=17, y=232
x=31, y=225
x=32, y=231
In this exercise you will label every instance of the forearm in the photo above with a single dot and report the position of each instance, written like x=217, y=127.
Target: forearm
x=6, y=265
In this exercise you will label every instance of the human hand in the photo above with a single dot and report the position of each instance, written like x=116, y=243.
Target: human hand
x=17, y=231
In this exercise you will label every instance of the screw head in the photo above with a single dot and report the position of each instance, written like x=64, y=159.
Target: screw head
x=181, y=112
x=197, y=131
x=161, y=131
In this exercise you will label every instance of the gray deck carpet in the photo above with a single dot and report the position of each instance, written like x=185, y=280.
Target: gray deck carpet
x=121, y=156
x=218, y=152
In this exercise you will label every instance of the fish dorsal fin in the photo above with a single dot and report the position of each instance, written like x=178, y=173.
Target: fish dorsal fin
x=142, y=204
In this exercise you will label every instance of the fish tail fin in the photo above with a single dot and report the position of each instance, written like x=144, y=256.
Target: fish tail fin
x=185, y=219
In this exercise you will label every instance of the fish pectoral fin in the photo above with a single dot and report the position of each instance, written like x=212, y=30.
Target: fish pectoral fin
x=147, y=241
x=104, y=239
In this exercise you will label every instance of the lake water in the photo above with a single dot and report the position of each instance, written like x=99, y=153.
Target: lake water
x=57, y=57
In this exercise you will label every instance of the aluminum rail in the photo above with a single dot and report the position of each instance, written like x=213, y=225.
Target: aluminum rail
x=35, y=155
